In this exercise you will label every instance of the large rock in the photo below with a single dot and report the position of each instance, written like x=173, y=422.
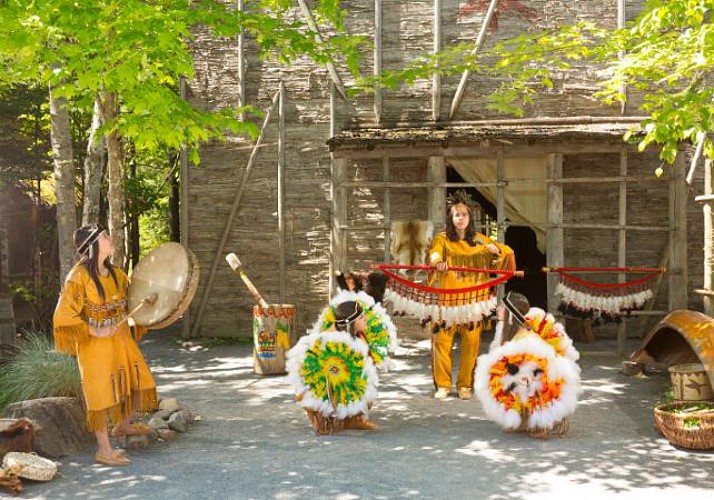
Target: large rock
x=62, y=430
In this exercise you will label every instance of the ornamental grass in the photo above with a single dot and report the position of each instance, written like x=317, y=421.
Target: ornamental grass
x=35, y=370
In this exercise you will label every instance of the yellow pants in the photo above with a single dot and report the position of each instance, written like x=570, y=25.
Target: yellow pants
x=441, y=354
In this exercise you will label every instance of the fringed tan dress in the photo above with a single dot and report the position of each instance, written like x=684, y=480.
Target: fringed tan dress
x=116, y=381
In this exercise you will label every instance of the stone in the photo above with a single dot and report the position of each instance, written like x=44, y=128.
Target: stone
x=169, y=404
x=137, y=442
x=163, y=414
x=61, y=430
x=166, y=434
x=158, y=423
x=178, y=422
x=187, y=415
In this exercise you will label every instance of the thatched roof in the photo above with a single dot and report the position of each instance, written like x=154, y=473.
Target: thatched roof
x=530, y=129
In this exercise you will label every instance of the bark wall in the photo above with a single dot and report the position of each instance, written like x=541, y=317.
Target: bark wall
x=407, y=35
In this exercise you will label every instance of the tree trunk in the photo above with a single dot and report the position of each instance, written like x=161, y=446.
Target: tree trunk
x=115, y=177
x=93, y=169
x=133, y=214
x=63, y=157
x=174, y=200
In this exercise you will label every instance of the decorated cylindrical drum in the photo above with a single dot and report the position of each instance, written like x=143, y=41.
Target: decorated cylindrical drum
x=274, y=333
x=690, y=382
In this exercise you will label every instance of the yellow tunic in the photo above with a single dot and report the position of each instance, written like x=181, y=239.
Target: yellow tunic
x=461, y=254
x=116, y=380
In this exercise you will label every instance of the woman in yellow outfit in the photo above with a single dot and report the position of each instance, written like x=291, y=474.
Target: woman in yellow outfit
x=461, y=246
x=90, y=322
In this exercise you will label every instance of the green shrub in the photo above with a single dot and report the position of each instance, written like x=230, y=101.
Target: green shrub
x=36, y=370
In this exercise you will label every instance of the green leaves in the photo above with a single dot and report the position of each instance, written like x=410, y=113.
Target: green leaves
x=141, y=49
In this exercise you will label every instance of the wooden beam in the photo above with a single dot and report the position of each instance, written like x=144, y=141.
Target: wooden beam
x=387, y=212
x=621, y=54
x=183, y=208
x=476, y=149
x=377, y=71
x=333, y=194
x=656, y=285
x=614, y=227
x=411, y=184
x=622, y=245
x=708, y=239
x=281, y=193
x=554, y=230
x=241, y=63
x=338, y=251
x=436, y=77
x=437, y=192
x=695, y=160
x=231, y=217
x=678, y=282
x=334, y=75
x=501, y=210
x=479, y=41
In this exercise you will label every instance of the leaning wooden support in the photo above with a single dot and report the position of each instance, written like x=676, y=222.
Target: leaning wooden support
x=310, y=19
x=465, y=75
x=231, y=218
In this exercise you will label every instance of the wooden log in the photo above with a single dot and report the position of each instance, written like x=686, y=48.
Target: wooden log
x=678, y=241
x=622, y=245
x=554, y=230
x=281, y=192
x=377, y=70
x=334, y=75
x=465, y=75
x=436, y=77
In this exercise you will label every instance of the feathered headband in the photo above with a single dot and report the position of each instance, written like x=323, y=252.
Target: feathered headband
x=352, y=317
x=518, y=315
x=460, y=197
x=86, y=245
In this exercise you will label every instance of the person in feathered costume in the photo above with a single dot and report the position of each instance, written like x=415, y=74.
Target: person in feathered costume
x=333, y=371
x=531, y=382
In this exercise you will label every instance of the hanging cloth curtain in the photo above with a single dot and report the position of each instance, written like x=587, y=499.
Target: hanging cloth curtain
x=525, y=201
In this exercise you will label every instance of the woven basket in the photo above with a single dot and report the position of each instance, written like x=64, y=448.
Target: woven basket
x=30, y=465
x=674, y=426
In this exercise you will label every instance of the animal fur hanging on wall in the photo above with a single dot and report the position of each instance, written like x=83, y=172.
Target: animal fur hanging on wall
x=410, y=240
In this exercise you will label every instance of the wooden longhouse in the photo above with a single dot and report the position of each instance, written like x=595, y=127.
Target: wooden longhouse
x=330, y=174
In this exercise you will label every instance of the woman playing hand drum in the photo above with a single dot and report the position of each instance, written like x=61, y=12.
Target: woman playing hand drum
x=90, y=322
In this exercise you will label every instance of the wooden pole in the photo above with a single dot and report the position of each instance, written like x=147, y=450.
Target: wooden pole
x=554, y=231
x=377, y=70
x=436, y=77
x=231, y=217
x=465, y=75
x=678, y=240
x=281, y=192
x=241, y=63
x=500, y=209
x=621, y=54
x=622, y=246
x=387, y=212
x=708, y=239
x=437, y=192
x=183, y=209
x=334, y=75
x=338, y=174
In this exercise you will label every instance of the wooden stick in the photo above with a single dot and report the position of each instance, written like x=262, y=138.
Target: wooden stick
x=235, y=264
x=147, y=301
